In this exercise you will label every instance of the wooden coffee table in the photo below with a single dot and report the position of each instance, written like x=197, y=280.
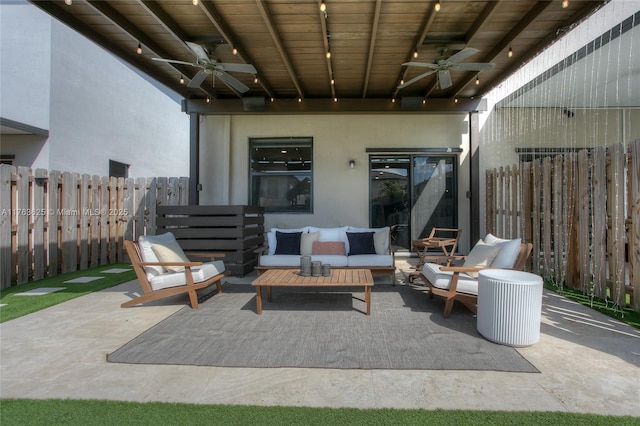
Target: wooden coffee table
x=292, y=278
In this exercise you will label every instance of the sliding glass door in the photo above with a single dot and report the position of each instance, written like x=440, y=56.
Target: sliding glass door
x=411, y=194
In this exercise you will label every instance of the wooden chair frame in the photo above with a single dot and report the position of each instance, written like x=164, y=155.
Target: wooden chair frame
x=149, y=294
x=469, y=300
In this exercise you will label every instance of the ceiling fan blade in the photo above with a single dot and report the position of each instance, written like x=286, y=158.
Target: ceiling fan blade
x=173, y=61
x=463, y=54
x=444, y=79
x=420, y=64
x=232, y=82
x=413, y=80
x=197, y=80
x=473, y=66
x=250, y=69
x=199, y=51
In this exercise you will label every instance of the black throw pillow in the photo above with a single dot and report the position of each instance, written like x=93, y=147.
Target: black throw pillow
x=361, y=243
x=288, y=242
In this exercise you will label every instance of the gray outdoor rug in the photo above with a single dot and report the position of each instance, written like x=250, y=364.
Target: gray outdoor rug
x=324, y=329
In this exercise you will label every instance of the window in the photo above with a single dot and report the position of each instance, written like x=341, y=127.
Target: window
x=281, y=174
x=117, y=169
x=7, y=159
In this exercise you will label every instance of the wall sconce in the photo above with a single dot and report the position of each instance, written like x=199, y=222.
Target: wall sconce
x=352, y=164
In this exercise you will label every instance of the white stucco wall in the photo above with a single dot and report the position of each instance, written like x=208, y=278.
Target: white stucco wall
x=25, y=60
x=97, y=108
x=341, y=194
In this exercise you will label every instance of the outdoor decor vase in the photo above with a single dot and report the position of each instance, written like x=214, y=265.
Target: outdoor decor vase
x=305, y=266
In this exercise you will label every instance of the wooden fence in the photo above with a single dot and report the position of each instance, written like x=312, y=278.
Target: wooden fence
x=53, y=222
x=581, y=211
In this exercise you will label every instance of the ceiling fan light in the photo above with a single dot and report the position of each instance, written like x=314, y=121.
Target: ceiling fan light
x=437, y=6
x=139, y=49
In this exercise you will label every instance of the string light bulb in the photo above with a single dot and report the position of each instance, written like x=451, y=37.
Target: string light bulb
x=208, y=99
x=437, y=6
x=333, y=81
x=68, y=2
x=139, y=49
x=335, y=99
x=299, y=99
x=510, y=52
x=415, y=53
x=323, y=6
x=477, y=81
x=195, y=2
x=234, y=51
x=181, y=80
x=565, y=4
x=328, y=54
x=255, y=79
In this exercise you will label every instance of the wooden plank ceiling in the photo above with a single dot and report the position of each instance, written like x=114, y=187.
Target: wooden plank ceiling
x=287, y=41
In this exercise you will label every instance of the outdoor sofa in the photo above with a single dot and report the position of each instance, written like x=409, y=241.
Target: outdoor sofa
x=340, y=247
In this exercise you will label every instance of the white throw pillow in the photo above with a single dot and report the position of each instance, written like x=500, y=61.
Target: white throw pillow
x=306, y=242
x=170, y=252
x=147, y=253
x=509, y=250
x=481, y=255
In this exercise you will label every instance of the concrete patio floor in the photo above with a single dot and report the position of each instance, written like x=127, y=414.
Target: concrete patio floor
x=588, y=362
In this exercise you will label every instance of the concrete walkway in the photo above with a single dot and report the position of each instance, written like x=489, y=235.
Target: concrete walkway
x=589, y=363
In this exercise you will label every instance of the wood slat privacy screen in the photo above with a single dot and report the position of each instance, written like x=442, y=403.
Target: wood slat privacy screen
x=53, y=222
x=581, y=211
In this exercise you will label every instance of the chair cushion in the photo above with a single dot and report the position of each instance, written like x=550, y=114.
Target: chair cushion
x=361, y=243
x=175, y=279
x=145, y=242
x=509, y=250
x=442, y=279
x=367, y=260
x=306, y=242
x=481, y=255
x=170, y=251
x=288, y=242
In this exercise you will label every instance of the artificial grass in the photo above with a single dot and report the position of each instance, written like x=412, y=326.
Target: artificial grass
x=83, y=412
x=17, y=306
x=623, y=314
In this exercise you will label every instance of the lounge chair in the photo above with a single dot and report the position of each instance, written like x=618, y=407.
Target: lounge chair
x=460, y=283
x=164, y=270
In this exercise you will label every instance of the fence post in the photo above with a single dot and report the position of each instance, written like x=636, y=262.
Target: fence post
x=6, y=265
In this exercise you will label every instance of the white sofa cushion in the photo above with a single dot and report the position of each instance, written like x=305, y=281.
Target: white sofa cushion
x=331, y=234
x=509, y=250
x=145, y=243
x=284, y=260
x=442, y=279
x=364, y=260
x=330, y=259
x=175, y=279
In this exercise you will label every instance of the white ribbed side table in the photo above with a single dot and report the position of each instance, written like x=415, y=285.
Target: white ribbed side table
x=509, y=306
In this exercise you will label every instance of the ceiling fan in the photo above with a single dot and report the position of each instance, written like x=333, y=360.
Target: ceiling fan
x=212, y=66
x=443, y=65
